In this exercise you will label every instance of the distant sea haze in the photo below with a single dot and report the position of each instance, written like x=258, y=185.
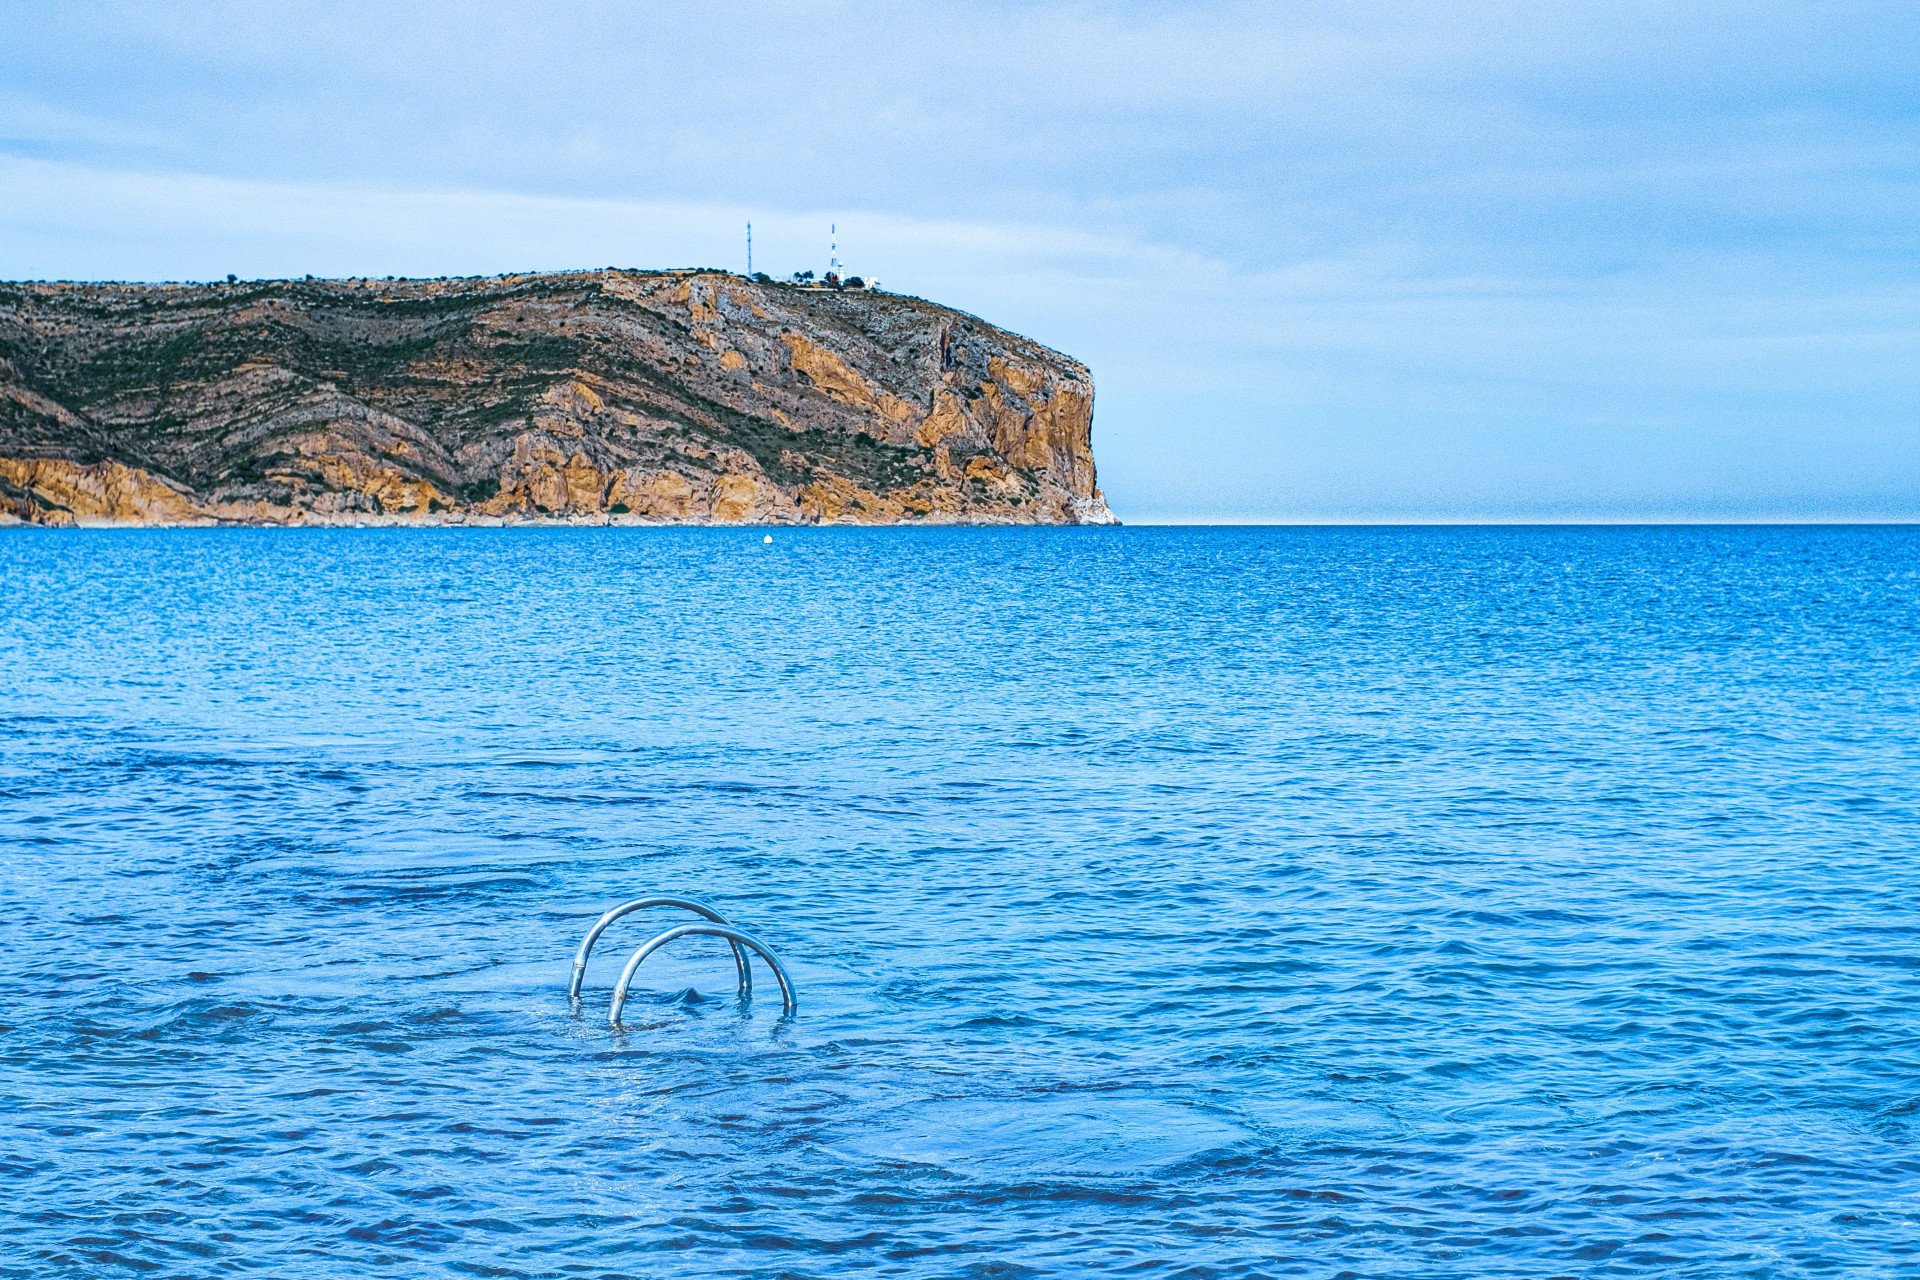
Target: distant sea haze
x=1250, y=902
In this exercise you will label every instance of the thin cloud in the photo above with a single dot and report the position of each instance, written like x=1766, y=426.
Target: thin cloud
x=1325, y=258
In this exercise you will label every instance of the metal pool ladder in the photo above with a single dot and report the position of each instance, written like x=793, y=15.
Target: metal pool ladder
x=716, y=926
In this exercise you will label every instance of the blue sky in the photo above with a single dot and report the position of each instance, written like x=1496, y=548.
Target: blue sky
x=1328, y=262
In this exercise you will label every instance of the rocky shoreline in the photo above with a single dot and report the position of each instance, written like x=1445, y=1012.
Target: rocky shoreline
x=578, y=398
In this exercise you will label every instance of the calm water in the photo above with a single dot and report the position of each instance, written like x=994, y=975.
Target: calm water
x=1195, y=903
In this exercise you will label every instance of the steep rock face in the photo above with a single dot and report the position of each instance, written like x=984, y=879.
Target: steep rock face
x=581, y=397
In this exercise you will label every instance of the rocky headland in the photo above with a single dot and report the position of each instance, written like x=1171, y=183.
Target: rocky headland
x=595, y=397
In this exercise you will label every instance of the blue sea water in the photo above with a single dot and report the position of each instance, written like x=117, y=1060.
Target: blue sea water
x=1177, y=903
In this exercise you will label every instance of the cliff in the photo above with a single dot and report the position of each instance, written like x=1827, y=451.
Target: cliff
x=578, y=398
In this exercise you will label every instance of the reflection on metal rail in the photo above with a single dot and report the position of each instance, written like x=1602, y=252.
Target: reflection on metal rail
x=737, y=937
x=640, y=904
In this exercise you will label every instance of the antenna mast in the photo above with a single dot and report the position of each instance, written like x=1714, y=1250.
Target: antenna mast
x=749, y=248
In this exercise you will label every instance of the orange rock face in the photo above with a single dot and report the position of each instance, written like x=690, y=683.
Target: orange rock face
x=581, y=398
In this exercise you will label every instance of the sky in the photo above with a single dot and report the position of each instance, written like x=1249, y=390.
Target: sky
x=1329, y=262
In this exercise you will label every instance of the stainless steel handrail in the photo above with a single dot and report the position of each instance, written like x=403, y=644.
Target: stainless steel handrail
x=738, y=937
x=639, y=904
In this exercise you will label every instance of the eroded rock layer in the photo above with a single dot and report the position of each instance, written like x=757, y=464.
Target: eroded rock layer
x=580, y=397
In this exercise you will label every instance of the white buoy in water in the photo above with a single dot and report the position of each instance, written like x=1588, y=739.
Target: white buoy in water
x=769, y=539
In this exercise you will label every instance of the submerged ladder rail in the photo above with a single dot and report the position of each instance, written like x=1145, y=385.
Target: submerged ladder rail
x=738, y=937
x=664, y=900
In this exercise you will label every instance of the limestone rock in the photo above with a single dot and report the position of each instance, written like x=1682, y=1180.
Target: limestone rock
x=623, y=397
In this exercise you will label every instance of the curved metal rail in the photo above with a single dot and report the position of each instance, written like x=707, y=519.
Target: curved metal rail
x=639, y=904
x=737, y=937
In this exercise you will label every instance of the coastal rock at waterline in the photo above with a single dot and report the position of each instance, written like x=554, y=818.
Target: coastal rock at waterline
x=603, y=397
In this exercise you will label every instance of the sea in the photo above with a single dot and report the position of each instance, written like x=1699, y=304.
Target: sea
x=1159, y=902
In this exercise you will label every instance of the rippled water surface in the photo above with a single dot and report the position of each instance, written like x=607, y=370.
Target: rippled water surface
x=1185, y=903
